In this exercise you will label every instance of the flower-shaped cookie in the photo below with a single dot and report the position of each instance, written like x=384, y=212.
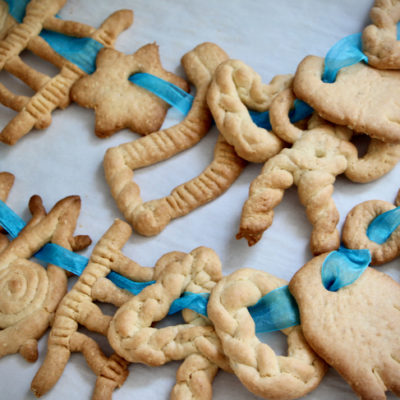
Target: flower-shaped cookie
x=117, y=102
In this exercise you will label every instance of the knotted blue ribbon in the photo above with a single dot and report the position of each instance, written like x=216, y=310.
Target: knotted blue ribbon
x=382, y=226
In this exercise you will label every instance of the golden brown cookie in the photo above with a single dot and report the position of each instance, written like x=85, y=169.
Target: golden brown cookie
x=119, y=162
x=6, y=183
x=132, y=336
x=29, y=293
x=379, y=40
x=355, y=330
x=50, y=92
x=234, y=89
x=316, y=157
x=354, y=232
x=256, y=365
x=363, y=98
x=117, y=102
x=78, y=308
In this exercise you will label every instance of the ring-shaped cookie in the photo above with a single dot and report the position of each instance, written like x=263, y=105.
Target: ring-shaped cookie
x=354, y=233
x=235, y=88
x=255, y=363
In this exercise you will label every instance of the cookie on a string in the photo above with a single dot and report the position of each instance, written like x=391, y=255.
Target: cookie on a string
x=78, y=308
x=358, y=229
x=132, y=336
x=354, y=329
x=119, y=162
x=256, y=365
x=317, y=156
x=29, y=293
x=234, y=89
x=43, y=33
x=362, y=98
x=118, y=103
x=379, y=39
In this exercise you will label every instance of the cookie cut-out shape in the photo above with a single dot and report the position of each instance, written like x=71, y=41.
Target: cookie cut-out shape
x=78, y=308
x=255, y=363
x=120, y=162
x=118, y=103
x=234, y=89
x=316, y=157
x=50, y=92
x=354, y=232
x=379, y=40
x=355, y=330
x=132, y=336
x=29, y=293
x=363, y=98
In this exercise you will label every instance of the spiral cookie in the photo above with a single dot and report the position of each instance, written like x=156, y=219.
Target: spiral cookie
x=355, y=228
x=236, y=86
x=132, y=337
x=29, y=294
x=255, y=363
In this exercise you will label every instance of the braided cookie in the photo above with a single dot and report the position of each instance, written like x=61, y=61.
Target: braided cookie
x=117, y=102
x=236, y=86
x=379, y=39
x=355, y=329
x=29, y=294
x=132, y=336
x=50, y=92
x=354, y=232
x=78, y=307
x=6, y=183
x=317, y=156
x=255, y=363
x=119, y=162
x=363, y=98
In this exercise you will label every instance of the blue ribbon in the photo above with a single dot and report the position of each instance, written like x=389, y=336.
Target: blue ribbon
x=382, y=226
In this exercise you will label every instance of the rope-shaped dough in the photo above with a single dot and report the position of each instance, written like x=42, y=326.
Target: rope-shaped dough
x=235, y=86
x=317, y=156
x=354, y=232
x=255, y=363
x=120, y=162
x=379, y=39
x=133, y=338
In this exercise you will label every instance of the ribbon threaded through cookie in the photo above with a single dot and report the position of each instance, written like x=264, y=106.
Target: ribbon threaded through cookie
x=382, y=226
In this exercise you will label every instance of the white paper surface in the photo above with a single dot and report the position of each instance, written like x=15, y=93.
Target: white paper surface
x=272, y=37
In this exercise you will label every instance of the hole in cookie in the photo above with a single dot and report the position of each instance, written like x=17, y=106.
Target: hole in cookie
x=15, y=85
x=320, y=153
x=276, y=340
x=361, y=142
x=39, y=64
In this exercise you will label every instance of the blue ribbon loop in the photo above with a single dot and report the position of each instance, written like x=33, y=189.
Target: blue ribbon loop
x=382, y=226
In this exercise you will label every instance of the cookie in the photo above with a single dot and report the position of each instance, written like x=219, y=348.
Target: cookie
x=120, y=162
x=6, y=183
x=316, y=157
x=355, y=231
x=362, y=98
x=234, y=89
x=29, y=293
x=50, y=92
x=379, y=39
x=354, y=329
x=132, y=336
x=256, y=365
x=78, y=308
x=117, y=102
